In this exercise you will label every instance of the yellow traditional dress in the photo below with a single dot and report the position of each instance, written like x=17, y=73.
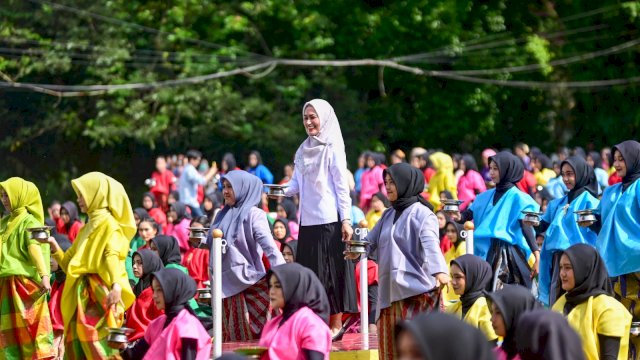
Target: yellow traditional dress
x=93, y=264
x=478, y=315
x=599, y=315
x=25, y=326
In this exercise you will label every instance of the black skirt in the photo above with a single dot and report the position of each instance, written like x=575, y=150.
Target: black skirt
x=320, y=248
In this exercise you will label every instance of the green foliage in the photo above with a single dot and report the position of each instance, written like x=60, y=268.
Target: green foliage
x=45, y=44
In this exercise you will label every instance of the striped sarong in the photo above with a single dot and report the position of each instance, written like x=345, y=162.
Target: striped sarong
x=25, y=323
x=627, y=291
x=86, y=333
x=403, y=310
x=245, y=314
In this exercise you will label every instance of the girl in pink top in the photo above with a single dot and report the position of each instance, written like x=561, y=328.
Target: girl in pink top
x=301, y=332
x=178, y=226
x=471, y=182
x=178, y=334
x=372, y=180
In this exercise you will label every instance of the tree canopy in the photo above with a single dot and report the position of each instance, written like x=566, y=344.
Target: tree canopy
x=548, y=58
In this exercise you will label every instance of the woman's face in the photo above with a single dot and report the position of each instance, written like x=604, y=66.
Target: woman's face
x=619, y=164
x=311, y=121
x=146, y=231
x=568, y=176
x=370, y=162
x=458, y=280
x=442, y=220
x=171, y=199
x=158, y=294
x=281, y=212
x=137, y=266
x=253, y=160
x=392, y=192
x=64, y=215
x=279, y=231
x=497, y=321
x=360, y=161
x=590, y=161
x=288, y=171
x=287, y=254
x=443, y=197
x=228, y=194
x=377, y=204
x=566, y=273
x=208, y=204
x=494, y=173
x=408, y=348
x=136, y=218
x=452, y=233
x=147, y=203
x=276, y=297
x=462, y=166
x=82, y=204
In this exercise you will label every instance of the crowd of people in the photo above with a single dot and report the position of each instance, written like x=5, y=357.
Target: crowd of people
x=559, y=287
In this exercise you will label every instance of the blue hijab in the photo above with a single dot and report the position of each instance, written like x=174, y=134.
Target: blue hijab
x=248, y=192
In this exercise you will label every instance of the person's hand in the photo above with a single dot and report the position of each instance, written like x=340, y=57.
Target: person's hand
x=53, y=244
x=442, y=280
x=350, y=256
x=536, y=265
x=45, y=284
x=347, y=231
x=115, y=295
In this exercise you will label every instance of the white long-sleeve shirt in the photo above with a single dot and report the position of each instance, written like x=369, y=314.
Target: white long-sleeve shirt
x=323, y=198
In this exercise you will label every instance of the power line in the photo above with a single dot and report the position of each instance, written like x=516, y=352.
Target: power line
x=116, y=21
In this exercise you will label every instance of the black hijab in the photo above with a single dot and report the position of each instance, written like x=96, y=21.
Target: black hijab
x=630, y=151
x=409, y=185
x=469, y=163
x=290, y=209
x=477, y=273
x=597, y=159
x=434, y=331
x=178, y=288
x=293, y=245
x=151, y=263
x=590, y=276
x=284, y=222
x=546, y=335
x=72, y=209
x=382, y=197
x=141, y=213
x=459, y=229
x=301, y=287
x=545, y=162
x=512, y=301
x=181, y=211
x=153, y=199
x=511, y=170
x=585, y=177
x=168, y=249
x=230, y=160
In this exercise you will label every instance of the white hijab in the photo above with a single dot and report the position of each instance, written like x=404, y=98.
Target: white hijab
x=314, y=153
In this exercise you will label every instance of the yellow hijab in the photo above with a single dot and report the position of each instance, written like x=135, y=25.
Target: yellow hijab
x=25, y=199
x=110, y=223
x=443, y=179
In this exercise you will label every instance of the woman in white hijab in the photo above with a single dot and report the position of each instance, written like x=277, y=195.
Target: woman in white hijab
x=321, y=180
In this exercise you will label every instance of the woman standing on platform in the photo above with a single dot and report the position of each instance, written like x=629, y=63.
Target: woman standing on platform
x=245, y=289
x=321, y=180
x=559, y=222
x=411, y=267
x=619, y=239
x=501, y=237
x=97, y=290
x=26, y=331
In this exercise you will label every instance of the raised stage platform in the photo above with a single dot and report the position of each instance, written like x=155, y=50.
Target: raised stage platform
x=352, y=346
